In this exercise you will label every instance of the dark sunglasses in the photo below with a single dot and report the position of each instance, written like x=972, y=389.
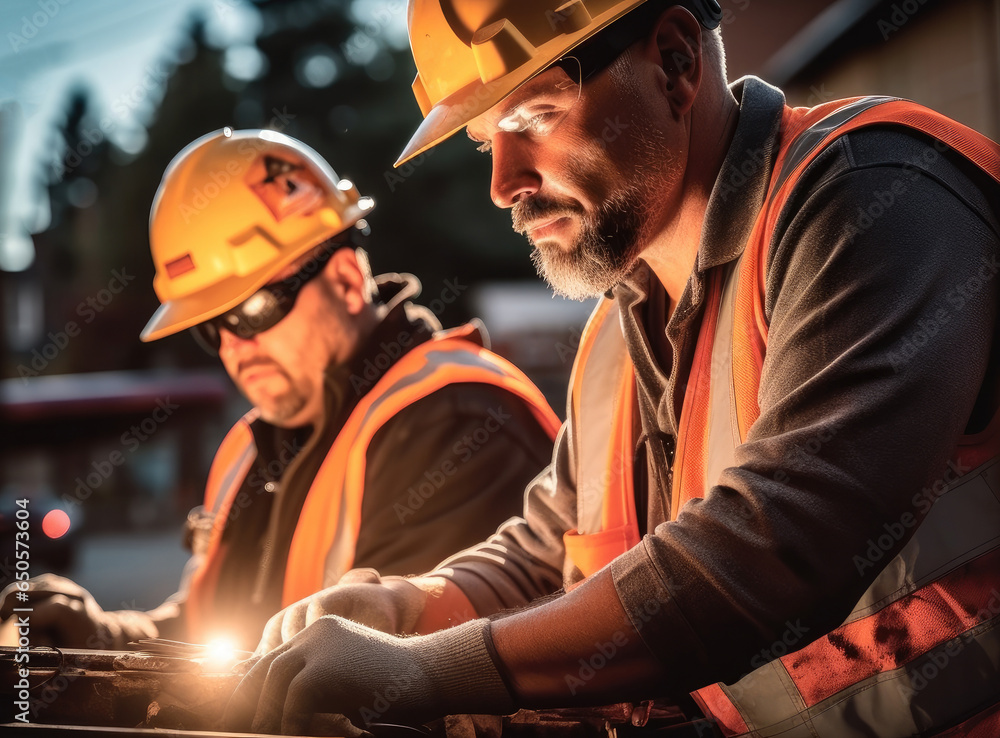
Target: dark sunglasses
x=265, y=308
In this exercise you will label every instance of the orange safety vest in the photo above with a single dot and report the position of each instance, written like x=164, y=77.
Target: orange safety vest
x=943, y=587
x=322, y=547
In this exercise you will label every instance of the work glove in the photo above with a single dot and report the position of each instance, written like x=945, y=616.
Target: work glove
x=337, y=666
x=391, y=605
x=66, y=615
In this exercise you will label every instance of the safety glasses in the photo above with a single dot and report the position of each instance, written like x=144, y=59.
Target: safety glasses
x=265, y=308
x=541, y=105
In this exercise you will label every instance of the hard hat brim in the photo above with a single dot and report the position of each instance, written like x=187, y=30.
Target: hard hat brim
x=186, y=312
x=183, y=313
x=457, y=110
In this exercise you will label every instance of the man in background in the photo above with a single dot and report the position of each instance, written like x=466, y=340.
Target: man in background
x=376, y=439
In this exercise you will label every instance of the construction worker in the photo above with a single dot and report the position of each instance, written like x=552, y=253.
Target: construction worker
x=376, y=439
x=775, y=501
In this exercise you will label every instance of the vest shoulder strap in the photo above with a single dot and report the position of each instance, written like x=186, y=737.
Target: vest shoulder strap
x=324, y=541
x=808, y=134
x=237, y=445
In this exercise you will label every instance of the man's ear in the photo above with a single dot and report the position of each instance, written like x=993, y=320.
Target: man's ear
x=344, y=276
x=675, y=46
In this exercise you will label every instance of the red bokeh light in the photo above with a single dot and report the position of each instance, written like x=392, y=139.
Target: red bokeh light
x=55, y=523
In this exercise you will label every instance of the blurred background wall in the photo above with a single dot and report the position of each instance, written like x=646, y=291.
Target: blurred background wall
x=96, y=97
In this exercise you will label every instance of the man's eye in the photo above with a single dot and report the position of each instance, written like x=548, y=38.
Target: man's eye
x=541, y=123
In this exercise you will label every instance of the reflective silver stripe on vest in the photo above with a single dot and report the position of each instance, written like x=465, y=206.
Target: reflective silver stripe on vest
x=892, y=704
x=808, y=140
x=887, y=703
x=723, y=430
x=236, y=474
x=601, y=380
x=963, y=524
x=341, y=554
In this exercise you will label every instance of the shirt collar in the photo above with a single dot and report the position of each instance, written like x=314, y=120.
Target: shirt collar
x=741, y=186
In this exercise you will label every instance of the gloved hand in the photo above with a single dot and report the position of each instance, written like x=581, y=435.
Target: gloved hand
x=66, y=615
x=337, y=666
x=391, y=605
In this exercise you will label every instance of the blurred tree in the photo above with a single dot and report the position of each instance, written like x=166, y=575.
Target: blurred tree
x=93, y=261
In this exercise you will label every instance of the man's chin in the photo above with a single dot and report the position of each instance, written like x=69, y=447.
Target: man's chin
x=281, y=410
x=282, y=416
x=572, y=287
x=569, y=279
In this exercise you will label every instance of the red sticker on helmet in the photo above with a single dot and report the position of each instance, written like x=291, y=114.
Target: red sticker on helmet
x=180, y=266
x=285, y=187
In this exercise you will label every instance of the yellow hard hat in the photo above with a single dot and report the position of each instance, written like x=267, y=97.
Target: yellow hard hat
x=470, y=54
x=233, y=209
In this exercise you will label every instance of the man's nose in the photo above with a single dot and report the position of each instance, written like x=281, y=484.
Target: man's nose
x=230, y=343
x=514, y=172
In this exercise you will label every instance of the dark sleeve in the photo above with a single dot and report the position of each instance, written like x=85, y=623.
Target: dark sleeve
x=444, y=474
x=880, y=333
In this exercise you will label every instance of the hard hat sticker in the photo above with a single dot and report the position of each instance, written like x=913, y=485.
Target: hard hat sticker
x=285, y=187
x=180, y=266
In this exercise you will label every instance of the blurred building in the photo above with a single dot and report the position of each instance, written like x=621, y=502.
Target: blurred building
x=945, y=55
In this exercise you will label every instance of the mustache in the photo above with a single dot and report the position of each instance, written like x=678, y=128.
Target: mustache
x=532, y=209
x=258, y=361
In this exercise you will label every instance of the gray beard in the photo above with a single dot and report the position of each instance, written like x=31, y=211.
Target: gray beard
x=604, y=254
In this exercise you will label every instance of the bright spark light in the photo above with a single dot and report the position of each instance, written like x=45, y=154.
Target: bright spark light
x=220, y=650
